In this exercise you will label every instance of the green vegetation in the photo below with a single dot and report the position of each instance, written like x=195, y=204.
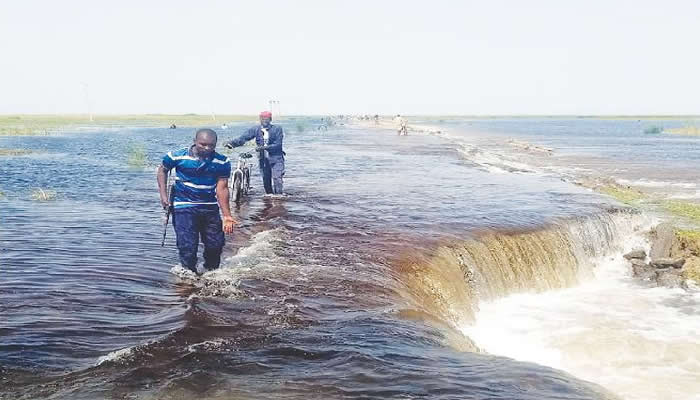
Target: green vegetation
x=624, y=195
x=688, y=235
x=651, y=130
x=40, y=194
x=15, y=152
x=29, y=124
x=136, y=156
x=683, y=209
x=690, y=130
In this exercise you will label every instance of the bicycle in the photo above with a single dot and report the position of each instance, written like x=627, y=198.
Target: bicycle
x=240, y=184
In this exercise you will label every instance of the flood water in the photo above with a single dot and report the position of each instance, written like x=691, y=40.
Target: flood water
x=428, y=266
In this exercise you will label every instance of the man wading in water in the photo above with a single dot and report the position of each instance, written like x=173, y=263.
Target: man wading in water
x=269, y=139
x=201, y=182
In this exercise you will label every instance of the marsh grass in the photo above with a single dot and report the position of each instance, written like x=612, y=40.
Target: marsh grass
x=683, y=209
x=136, y=156
x=624, y=195
x=689, y=130
x=40, y=194
x=43, y=124
x=15, y=152
x=652, y=130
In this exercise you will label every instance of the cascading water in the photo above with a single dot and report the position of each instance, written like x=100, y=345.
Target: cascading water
x=452, y=280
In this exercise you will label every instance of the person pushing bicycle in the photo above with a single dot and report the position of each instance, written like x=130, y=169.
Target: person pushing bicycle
x=268, y=138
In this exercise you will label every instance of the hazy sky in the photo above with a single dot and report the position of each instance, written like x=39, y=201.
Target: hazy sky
x=409, y=57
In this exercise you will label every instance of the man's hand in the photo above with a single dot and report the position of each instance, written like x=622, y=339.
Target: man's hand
x=261, y=148
x=165, y=203
x=229, y=222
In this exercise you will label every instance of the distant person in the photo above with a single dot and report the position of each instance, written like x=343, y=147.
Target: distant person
x=401, y=123
x=199, y=193
x=173, y=126
x=224, y=126
x=268, y=139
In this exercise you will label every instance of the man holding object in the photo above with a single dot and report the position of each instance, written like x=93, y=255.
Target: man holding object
x=268, y=139
x=200, y=190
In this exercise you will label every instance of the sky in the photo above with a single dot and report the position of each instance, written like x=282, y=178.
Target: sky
x=434, y=57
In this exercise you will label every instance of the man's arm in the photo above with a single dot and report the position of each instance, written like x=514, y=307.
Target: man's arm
x=162, y=177
x=240, y=141
x=222, y=196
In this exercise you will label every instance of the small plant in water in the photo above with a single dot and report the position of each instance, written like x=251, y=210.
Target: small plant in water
x=653, y=130
x=136, y=156
x=40, y=194
x=14, y=152
x=300, y=127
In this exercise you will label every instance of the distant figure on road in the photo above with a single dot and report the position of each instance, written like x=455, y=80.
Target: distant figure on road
x=401, y=124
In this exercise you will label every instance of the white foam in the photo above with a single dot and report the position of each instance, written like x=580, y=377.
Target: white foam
x=641, y=343
x=117, y=355
x=493, y=162
x=686, y=196
x=656, y=184
x=248, y=261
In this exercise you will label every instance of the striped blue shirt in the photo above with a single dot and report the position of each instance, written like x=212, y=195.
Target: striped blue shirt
x=195, y=179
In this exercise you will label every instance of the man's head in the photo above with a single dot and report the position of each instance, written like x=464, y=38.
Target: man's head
x=205, y=142
x=265, y=118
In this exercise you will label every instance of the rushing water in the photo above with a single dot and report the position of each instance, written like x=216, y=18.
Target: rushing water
x=397, y=267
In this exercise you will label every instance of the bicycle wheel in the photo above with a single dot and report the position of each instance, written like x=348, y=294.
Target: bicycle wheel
x=237, y=188
x=246, y=181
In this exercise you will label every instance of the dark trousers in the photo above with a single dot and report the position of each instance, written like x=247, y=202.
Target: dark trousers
x=272, y=174
x=192, y=223
x=266, y=175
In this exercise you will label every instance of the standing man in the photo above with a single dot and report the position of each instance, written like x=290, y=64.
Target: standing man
x=200, y=189
x=401, y=122
x=269, y=139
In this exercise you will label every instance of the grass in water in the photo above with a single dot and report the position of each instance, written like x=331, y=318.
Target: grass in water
x=651, y=130
x=14, y=152
x=690, y=130
x=37, y=124
x=136, y=156
x=623, y=195
x=40, y=194
x=684, y=209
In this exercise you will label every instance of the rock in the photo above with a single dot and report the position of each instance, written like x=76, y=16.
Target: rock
x=670, y=279
x=638, y=263
x=643, y=271
x=667, y=262
x=662, y=240
x=636, y=254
